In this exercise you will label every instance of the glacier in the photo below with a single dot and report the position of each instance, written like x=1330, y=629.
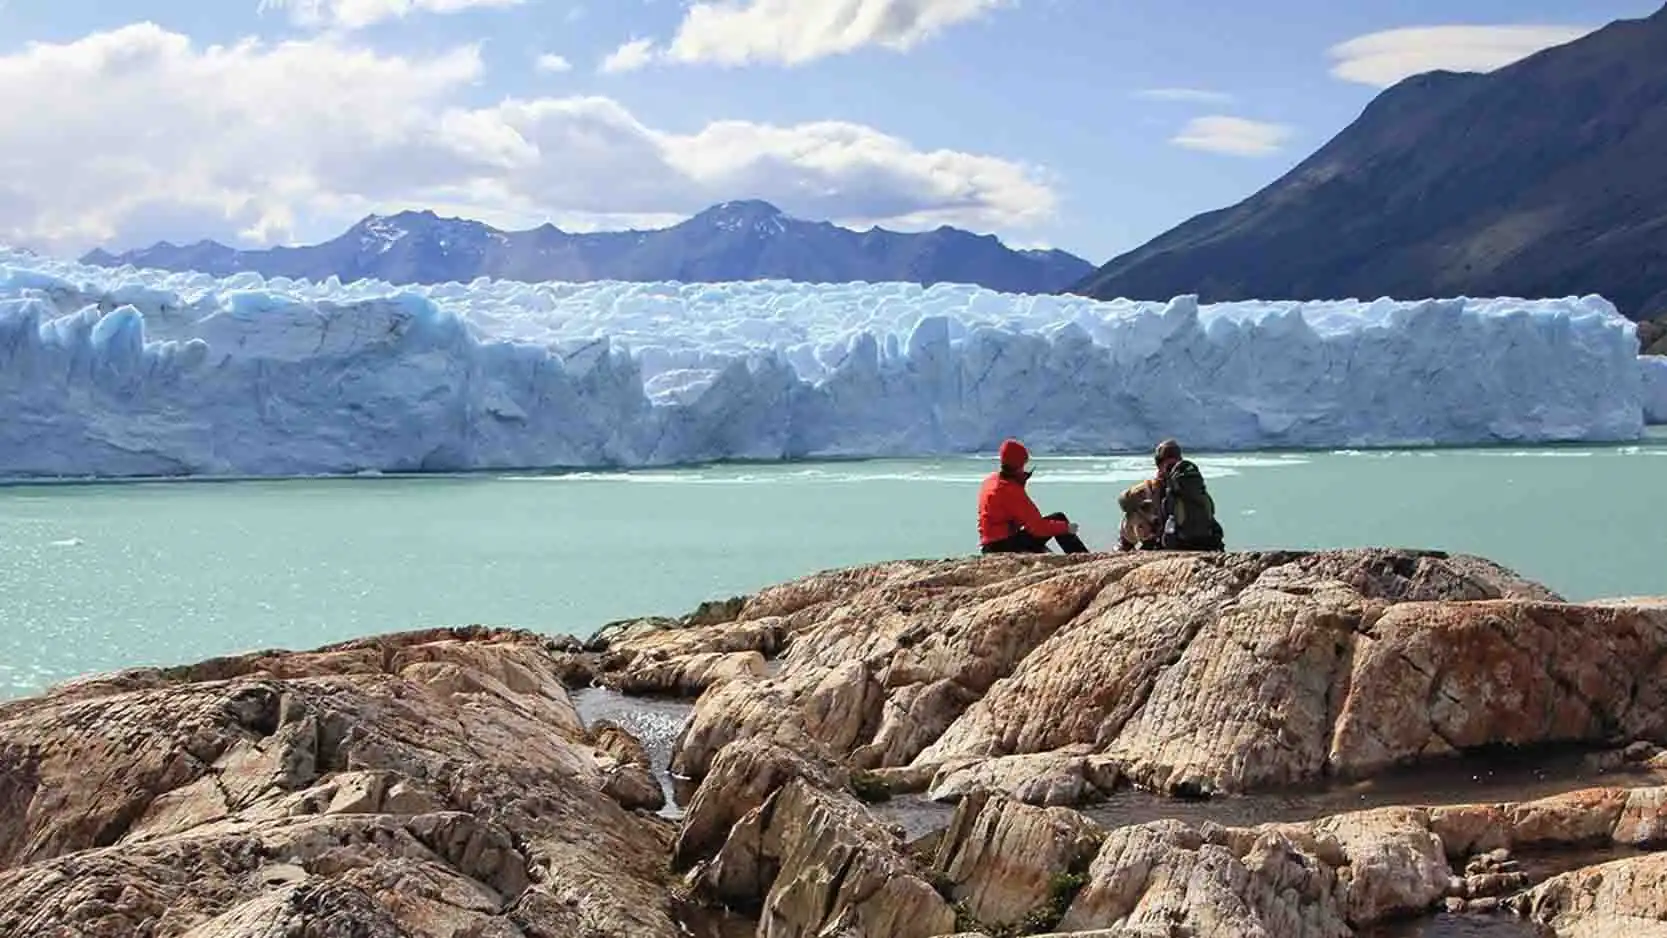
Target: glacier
x=1655, y=388
x=127, y=372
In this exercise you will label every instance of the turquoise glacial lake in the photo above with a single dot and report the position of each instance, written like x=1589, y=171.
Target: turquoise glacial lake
x=101, y=576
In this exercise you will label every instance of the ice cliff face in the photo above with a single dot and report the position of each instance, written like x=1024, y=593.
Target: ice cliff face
x=1655, y=388
x=123, y=372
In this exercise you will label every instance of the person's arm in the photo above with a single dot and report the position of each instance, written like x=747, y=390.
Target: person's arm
x=1030, y=517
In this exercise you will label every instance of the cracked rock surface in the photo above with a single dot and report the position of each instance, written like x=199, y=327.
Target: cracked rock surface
x=1059, y=678
x=428, y=784
x=441, y=784
x=802, y=856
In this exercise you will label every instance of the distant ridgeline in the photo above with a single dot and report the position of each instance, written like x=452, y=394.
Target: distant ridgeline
x=728, y=242
x=1541, y=179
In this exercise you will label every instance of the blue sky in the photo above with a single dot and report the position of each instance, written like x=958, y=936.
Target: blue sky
x=1090, y=125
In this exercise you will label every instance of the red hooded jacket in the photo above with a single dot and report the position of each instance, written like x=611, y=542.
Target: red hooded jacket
x=1005, y=508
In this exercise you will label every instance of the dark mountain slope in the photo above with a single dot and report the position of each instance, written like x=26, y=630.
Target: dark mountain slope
x=1544, y=178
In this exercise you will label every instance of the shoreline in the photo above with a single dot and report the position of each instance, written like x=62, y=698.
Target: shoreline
x=1653, y=436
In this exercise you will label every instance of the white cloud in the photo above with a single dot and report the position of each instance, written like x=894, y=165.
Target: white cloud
x=1234, y=136
x=154, y=137
x=1185, y=95
x=1381, y=59
x=793, y=32
x=358, y=14
x=629, y=57
x=552, y=63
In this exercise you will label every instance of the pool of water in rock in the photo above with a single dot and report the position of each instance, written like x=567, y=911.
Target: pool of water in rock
x=1472, y=779
x=1516, y=776
x=654, y=722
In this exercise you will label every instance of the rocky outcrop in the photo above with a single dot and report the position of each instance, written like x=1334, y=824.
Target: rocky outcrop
x=743, y=778
x=442, y=783
x=1010, y=865
x=1008, y=868
x=1053, y=870
x=776, y=839
x=631, y=780
x=1046, y=869
x=1059, y=679
x=686, y=675
x=430, y=784
x=1622, y=899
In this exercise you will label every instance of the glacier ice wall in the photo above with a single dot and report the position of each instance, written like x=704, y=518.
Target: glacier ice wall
x=126, y=372
x=1655, y=388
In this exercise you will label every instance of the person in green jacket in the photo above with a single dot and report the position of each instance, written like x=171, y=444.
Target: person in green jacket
x=1187, y=514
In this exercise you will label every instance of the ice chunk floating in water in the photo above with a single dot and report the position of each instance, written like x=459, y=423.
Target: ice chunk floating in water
x=125, y=372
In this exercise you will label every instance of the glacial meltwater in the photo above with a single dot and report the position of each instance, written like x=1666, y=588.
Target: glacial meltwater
x=101, y=576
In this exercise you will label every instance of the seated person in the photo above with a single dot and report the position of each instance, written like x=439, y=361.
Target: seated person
x=1139, y=504
x=1009, y=522
x=1187, y=514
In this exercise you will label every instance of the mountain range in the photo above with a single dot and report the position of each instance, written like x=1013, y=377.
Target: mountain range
x=745, y=240
x=1544, y=178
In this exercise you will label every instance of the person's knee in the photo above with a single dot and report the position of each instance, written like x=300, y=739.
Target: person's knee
x=1058, y=516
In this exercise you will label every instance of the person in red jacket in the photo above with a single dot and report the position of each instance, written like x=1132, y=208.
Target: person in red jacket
x=1009, y=522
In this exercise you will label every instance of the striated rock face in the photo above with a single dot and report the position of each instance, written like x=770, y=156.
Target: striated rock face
x=1012, y=684
x=442, y=783
x=429, y=784
x=1059, y=678
x=1012, y=865
x=1167, y=874
x=777, y=840
x=1008, y=868
x=1623, y=899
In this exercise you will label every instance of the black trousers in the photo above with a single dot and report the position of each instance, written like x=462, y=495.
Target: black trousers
x=1025, y=542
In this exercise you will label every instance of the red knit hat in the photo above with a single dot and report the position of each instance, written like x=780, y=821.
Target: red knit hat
x=1013, y=454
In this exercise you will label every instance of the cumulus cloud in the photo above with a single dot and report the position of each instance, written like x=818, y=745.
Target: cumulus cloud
x=155, y=137
x=552, y=63
x=1383, y=58
x=629, y=57
x=1234, y=136
x=793, y=32
x=1185, y=95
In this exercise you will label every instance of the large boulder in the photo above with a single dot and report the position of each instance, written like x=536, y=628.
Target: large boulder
x=778, y=836
x=1622, y=899
x=1011, y=865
